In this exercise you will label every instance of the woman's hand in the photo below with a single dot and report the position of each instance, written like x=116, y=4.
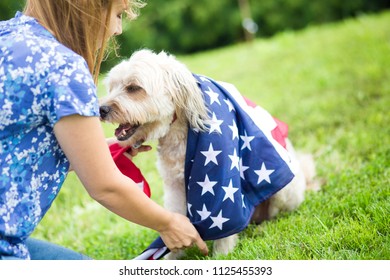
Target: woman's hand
x=90, y=157
x=132, y=152
x=181, y=234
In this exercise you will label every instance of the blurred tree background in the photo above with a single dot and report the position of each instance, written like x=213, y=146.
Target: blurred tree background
x=188, y=26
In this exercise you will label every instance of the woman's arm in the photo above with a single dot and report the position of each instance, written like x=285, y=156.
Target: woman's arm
x=82, y=140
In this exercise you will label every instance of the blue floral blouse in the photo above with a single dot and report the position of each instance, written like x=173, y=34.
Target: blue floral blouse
x=41, y=81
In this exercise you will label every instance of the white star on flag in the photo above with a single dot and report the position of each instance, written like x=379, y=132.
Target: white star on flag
x=234, y=130
x=242, y=169
x=189, y=208
x=204, y=79
x=215, y=124
x=230, y=191
x=238, y=137
x=211, y=155
x=235, y=160
x=230, y=105
x=264, y=173
x=243, y=202
x=207, y=185
x=247, y=141
x=204, y=214
x=218, y=221
x=213, y=96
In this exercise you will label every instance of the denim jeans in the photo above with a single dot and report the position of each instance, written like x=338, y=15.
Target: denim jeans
x=43, y=250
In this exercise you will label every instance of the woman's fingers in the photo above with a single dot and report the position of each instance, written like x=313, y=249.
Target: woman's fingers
x=131, y=152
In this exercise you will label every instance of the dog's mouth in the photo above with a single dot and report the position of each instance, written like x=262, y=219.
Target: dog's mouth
x=125, y=131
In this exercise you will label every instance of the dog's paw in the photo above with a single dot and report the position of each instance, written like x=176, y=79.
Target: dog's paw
x=225, y=245
x=175, y=256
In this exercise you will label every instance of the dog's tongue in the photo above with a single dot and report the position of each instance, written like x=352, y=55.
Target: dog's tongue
x=121, y=128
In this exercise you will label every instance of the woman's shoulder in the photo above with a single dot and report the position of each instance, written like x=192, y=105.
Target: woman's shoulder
x=28, y=45
x=20, y=28
x=28, y=36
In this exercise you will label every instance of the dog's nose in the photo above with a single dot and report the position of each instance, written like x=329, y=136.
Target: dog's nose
x=104, y=111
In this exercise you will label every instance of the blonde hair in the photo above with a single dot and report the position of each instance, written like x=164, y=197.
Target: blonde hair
x=76, y=24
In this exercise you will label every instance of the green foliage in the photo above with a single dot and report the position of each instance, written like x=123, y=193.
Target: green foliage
x=331, y=84
x=277, y=15
x=184, y=25
x=187, y=26
x=8, y=8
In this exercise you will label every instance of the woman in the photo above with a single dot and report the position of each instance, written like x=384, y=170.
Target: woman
x=50, y=58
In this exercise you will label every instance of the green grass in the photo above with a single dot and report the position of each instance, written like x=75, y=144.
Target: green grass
x=331, y=84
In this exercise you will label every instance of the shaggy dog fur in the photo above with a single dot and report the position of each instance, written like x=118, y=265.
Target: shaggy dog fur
x=154, y=96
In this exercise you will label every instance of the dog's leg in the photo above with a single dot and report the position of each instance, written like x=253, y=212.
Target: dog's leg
x=291, y=196
x=171, y=157
x=309, y=170
x=175, y=201
x=225, y=245
x=288, y=198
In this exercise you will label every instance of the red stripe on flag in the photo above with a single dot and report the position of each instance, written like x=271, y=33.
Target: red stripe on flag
x=280, y=132
x=127, y=167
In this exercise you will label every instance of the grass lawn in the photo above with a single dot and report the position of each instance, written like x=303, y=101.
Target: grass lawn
x=331, y=84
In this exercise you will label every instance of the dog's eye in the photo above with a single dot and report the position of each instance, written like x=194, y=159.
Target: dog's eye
x=132, y=88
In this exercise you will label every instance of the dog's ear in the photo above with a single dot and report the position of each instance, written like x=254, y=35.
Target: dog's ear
x=187, y=96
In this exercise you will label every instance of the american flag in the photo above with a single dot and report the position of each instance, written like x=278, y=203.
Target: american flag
x=238, y=163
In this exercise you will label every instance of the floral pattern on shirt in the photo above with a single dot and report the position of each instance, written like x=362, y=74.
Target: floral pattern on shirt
x=41, y=81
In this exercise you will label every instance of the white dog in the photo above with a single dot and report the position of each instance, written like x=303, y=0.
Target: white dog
x=154, y=96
